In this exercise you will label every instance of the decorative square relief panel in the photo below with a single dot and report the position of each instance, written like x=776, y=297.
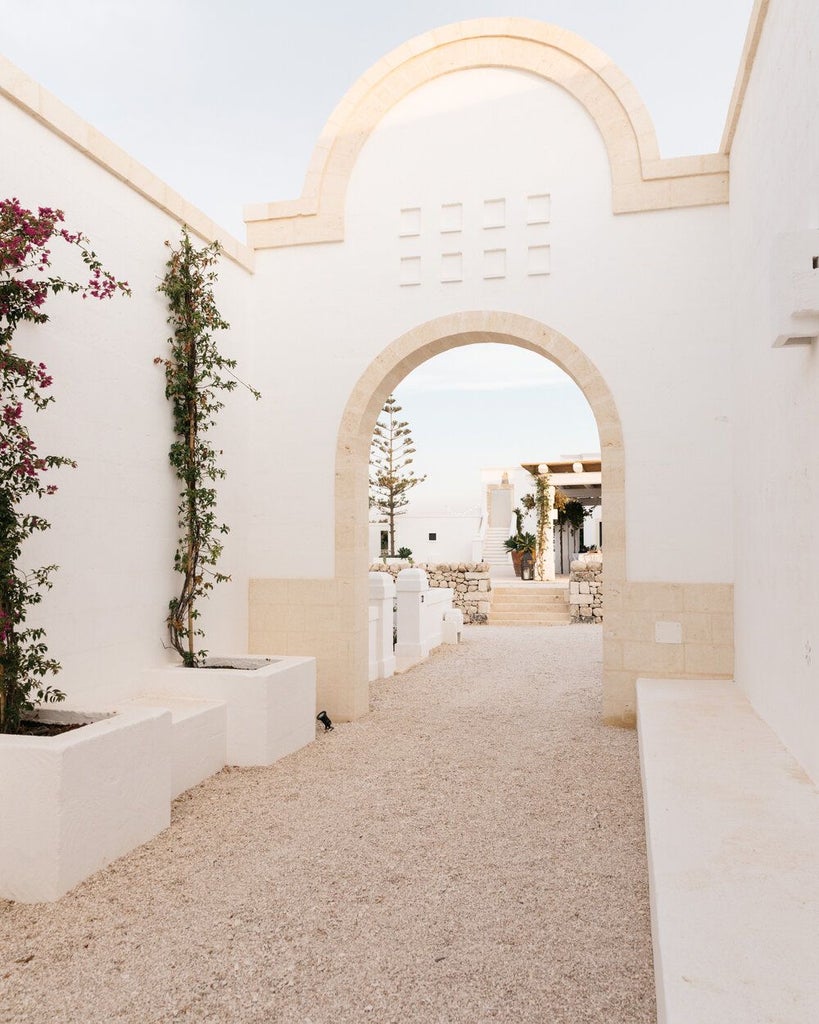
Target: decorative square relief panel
x=410, y=270
x=539, y=260
x=538, y=209
x=452, y=217
x=410, y=222
x=452, y=266
x=494, y=263
x=494, y=213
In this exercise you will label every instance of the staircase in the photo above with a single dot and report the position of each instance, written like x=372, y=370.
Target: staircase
x=529, y=604
x=495, y=554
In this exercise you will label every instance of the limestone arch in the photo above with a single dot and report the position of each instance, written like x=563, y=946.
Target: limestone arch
x=352, y=455
x=641, y=180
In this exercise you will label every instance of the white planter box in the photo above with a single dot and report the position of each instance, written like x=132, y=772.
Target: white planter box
x=271, y=711
x=75, y=802
x=198, y=731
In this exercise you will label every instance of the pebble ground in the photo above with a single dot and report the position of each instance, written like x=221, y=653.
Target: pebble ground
x=471, y=851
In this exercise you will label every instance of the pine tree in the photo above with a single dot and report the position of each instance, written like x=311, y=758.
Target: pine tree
x=391, y=454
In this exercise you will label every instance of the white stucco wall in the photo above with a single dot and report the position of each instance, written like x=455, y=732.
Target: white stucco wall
x=454, y=541
x=642, y=295
x=115, y=516
x=774, y=191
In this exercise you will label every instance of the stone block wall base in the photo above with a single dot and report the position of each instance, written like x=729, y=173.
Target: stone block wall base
x=326, y=619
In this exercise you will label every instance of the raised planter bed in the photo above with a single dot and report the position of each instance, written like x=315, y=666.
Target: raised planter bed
x=75, y=802
x=198, y=731
x=271, y=703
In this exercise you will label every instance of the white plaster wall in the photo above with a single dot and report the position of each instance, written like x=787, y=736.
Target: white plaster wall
x=774, y=191
x=453, y=543
x=115, y=516
x=642, y=295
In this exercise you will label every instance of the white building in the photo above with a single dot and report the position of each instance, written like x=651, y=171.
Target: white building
x=530, y=207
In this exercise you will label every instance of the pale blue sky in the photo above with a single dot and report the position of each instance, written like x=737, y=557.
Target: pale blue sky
x=225, y=101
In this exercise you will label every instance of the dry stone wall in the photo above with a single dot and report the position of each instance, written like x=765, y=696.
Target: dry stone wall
x=586, y=591
x=468, y=580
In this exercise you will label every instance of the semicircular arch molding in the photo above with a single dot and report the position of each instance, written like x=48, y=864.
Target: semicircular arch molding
x=641, y=180
x=386, y=371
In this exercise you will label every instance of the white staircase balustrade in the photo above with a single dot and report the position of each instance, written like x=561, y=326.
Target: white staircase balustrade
x=496, y=554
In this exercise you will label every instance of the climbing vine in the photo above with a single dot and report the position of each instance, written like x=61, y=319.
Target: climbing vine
x=543, y=511
x=196, y=374
x=25, y=286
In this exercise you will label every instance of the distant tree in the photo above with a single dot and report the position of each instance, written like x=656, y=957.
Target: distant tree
x=391, y=454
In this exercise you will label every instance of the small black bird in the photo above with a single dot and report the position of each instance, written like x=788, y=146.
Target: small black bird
x=324, y=718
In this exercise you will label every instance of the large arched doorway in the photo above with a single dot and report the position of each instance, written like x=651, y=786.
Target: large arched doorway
x=348, y=693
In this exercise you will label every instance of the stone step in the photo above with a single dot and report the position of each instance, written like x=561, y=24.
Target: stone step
x=530, y=613
x=503, y=598
x=527, y=611
x=556, y=620
x=530, y=606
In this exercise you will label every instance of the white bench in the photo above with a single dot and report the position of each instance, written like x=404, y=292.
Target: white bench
x=732, y=827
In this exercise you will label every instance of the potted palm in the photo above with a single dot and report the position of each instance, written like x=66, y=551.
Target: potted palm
x=522, y=547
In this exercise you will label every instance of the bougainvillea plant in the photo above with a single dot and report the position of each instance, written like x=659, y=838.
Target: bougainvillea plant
x=195, y=374
x=25, y=286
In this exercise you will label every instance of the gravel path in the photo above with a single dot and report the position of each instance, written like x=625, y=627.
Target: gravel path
x=471, y=851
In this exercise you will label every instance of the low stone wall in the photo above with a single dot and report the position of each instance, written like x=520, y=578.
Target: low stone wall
x=586, y=591
x=469, y=581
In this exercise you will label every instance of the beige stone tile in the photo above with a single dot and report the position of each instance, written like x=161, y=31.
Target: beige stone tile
x=709, y=659
x=619, y=698
x=615, y=556
x=612, y=654
x=722, y=627
x=631, y=625
x=709, y=597
x=266, y=638
x=696, y=627
x=295, y=618
x=646, y=659
x=612, y=591
x=311, y=591
x=656, y=597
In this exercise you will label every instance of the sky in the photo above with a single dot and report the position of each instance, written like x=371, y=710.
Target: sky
x=225, y=100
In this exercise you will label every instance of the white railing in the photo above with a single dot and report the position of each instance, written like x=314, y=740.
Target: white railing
x=479, y=541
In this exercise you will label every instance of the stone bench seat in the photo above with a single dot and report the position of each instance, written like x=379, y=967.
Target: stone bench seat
x=732, y=827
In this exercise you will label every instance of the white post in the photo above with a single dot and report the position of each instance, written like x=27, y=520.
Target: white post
x=438, y=601
x=382, y=596
x=412, y=586
x=452, y=626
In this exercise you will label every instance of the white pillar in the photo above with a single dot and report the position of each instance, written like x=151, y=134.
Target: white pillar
x=411, y=589
x=382, y=596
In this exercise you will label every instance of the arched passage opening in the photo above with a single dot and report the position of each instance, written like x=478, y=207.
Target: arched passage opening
x=347, y=693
